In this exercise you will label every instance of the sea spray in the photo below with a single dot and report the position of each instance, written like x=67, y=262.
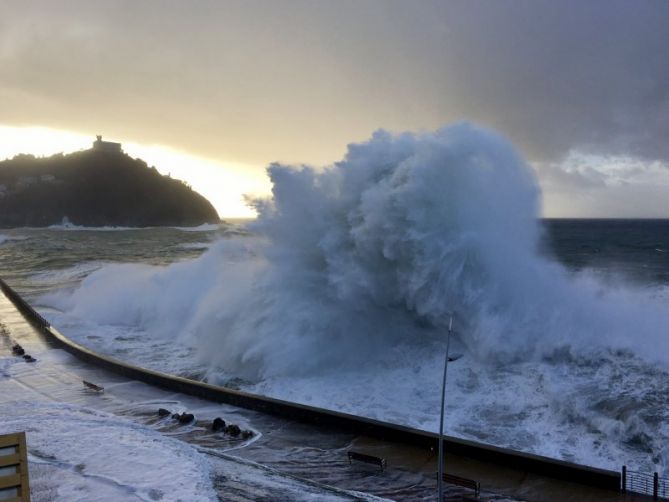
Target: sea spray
x=341, y=296
x=371, y=253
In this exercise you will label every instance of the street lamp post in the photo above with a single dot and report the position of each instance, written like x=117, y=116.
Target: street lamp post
x=440, y=470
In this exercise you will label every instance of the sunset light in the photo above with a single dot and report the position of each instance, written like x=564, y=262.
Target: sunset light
x=224, y=183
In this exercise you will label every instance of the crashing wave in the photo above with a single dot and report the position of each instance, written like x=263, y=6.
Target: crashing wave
x=373, y=253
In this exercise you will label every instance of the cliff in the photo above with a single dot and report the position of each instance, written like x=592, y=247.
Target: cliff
x=95, y=188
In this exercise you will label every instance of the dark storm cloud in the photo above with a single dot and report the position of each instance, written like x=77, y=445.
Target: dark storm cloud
x=561, y=75
x=297, y=80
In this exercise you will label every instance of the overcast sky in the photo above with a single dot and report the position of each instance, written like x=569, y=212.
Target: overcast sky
x=580, y=87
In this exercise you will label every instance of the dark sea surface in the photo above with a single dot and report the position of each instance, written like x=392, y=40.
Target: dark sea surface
x=593, y=403
x=636, y=249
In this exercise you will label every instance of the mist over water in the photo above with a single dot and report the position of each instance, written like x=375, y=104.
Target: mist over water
x=341, y=296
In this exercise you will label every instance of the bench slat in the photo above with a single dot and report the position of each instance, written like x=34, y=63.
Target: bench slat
x=8, y=460
x=10, y=481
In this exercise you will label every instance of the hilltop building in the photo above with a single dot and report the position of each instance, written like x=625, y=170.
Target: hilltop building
x=106, y=146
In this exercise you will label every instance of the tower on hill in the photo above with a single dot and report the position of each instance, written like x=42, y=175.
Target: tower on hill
x=106, y=146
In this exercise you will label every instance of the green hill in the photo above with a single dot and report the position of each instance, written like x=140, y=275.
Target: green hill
x=95, y=188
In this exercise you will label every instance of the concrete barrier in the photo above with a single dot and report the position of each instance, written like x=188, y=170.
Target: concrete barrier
x=536, y=464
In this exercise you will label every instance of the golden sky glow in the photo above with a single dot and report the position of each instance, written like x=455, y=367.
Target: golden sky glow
x=224, y=87
x=224, y=184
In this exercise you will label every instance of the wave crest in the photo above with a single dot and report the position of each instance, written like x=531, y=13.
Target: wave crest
x=374, y=253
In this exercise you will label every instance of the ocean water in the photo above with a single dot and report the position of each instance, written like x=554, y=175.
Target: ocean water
x=339, y=295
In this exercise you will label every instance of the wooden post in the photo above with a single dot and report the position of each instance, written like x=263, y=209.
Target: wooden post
x=656, y=485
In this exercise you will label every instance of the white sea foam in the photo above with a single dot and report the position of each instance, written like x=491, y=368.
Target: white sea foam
x=67, y=225
x=8, y=238
x=195, y=245
x=352, y=277
x=205, y=227
x=79, y=454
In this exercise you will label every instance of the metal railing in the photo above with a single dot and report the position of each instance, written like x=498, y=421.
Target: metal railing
x=645, y=483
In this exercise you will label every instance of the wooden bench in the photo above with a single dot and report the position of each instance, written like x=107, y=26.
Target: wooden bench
x=367, y=459
x=463, y=482
x=14, y=486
